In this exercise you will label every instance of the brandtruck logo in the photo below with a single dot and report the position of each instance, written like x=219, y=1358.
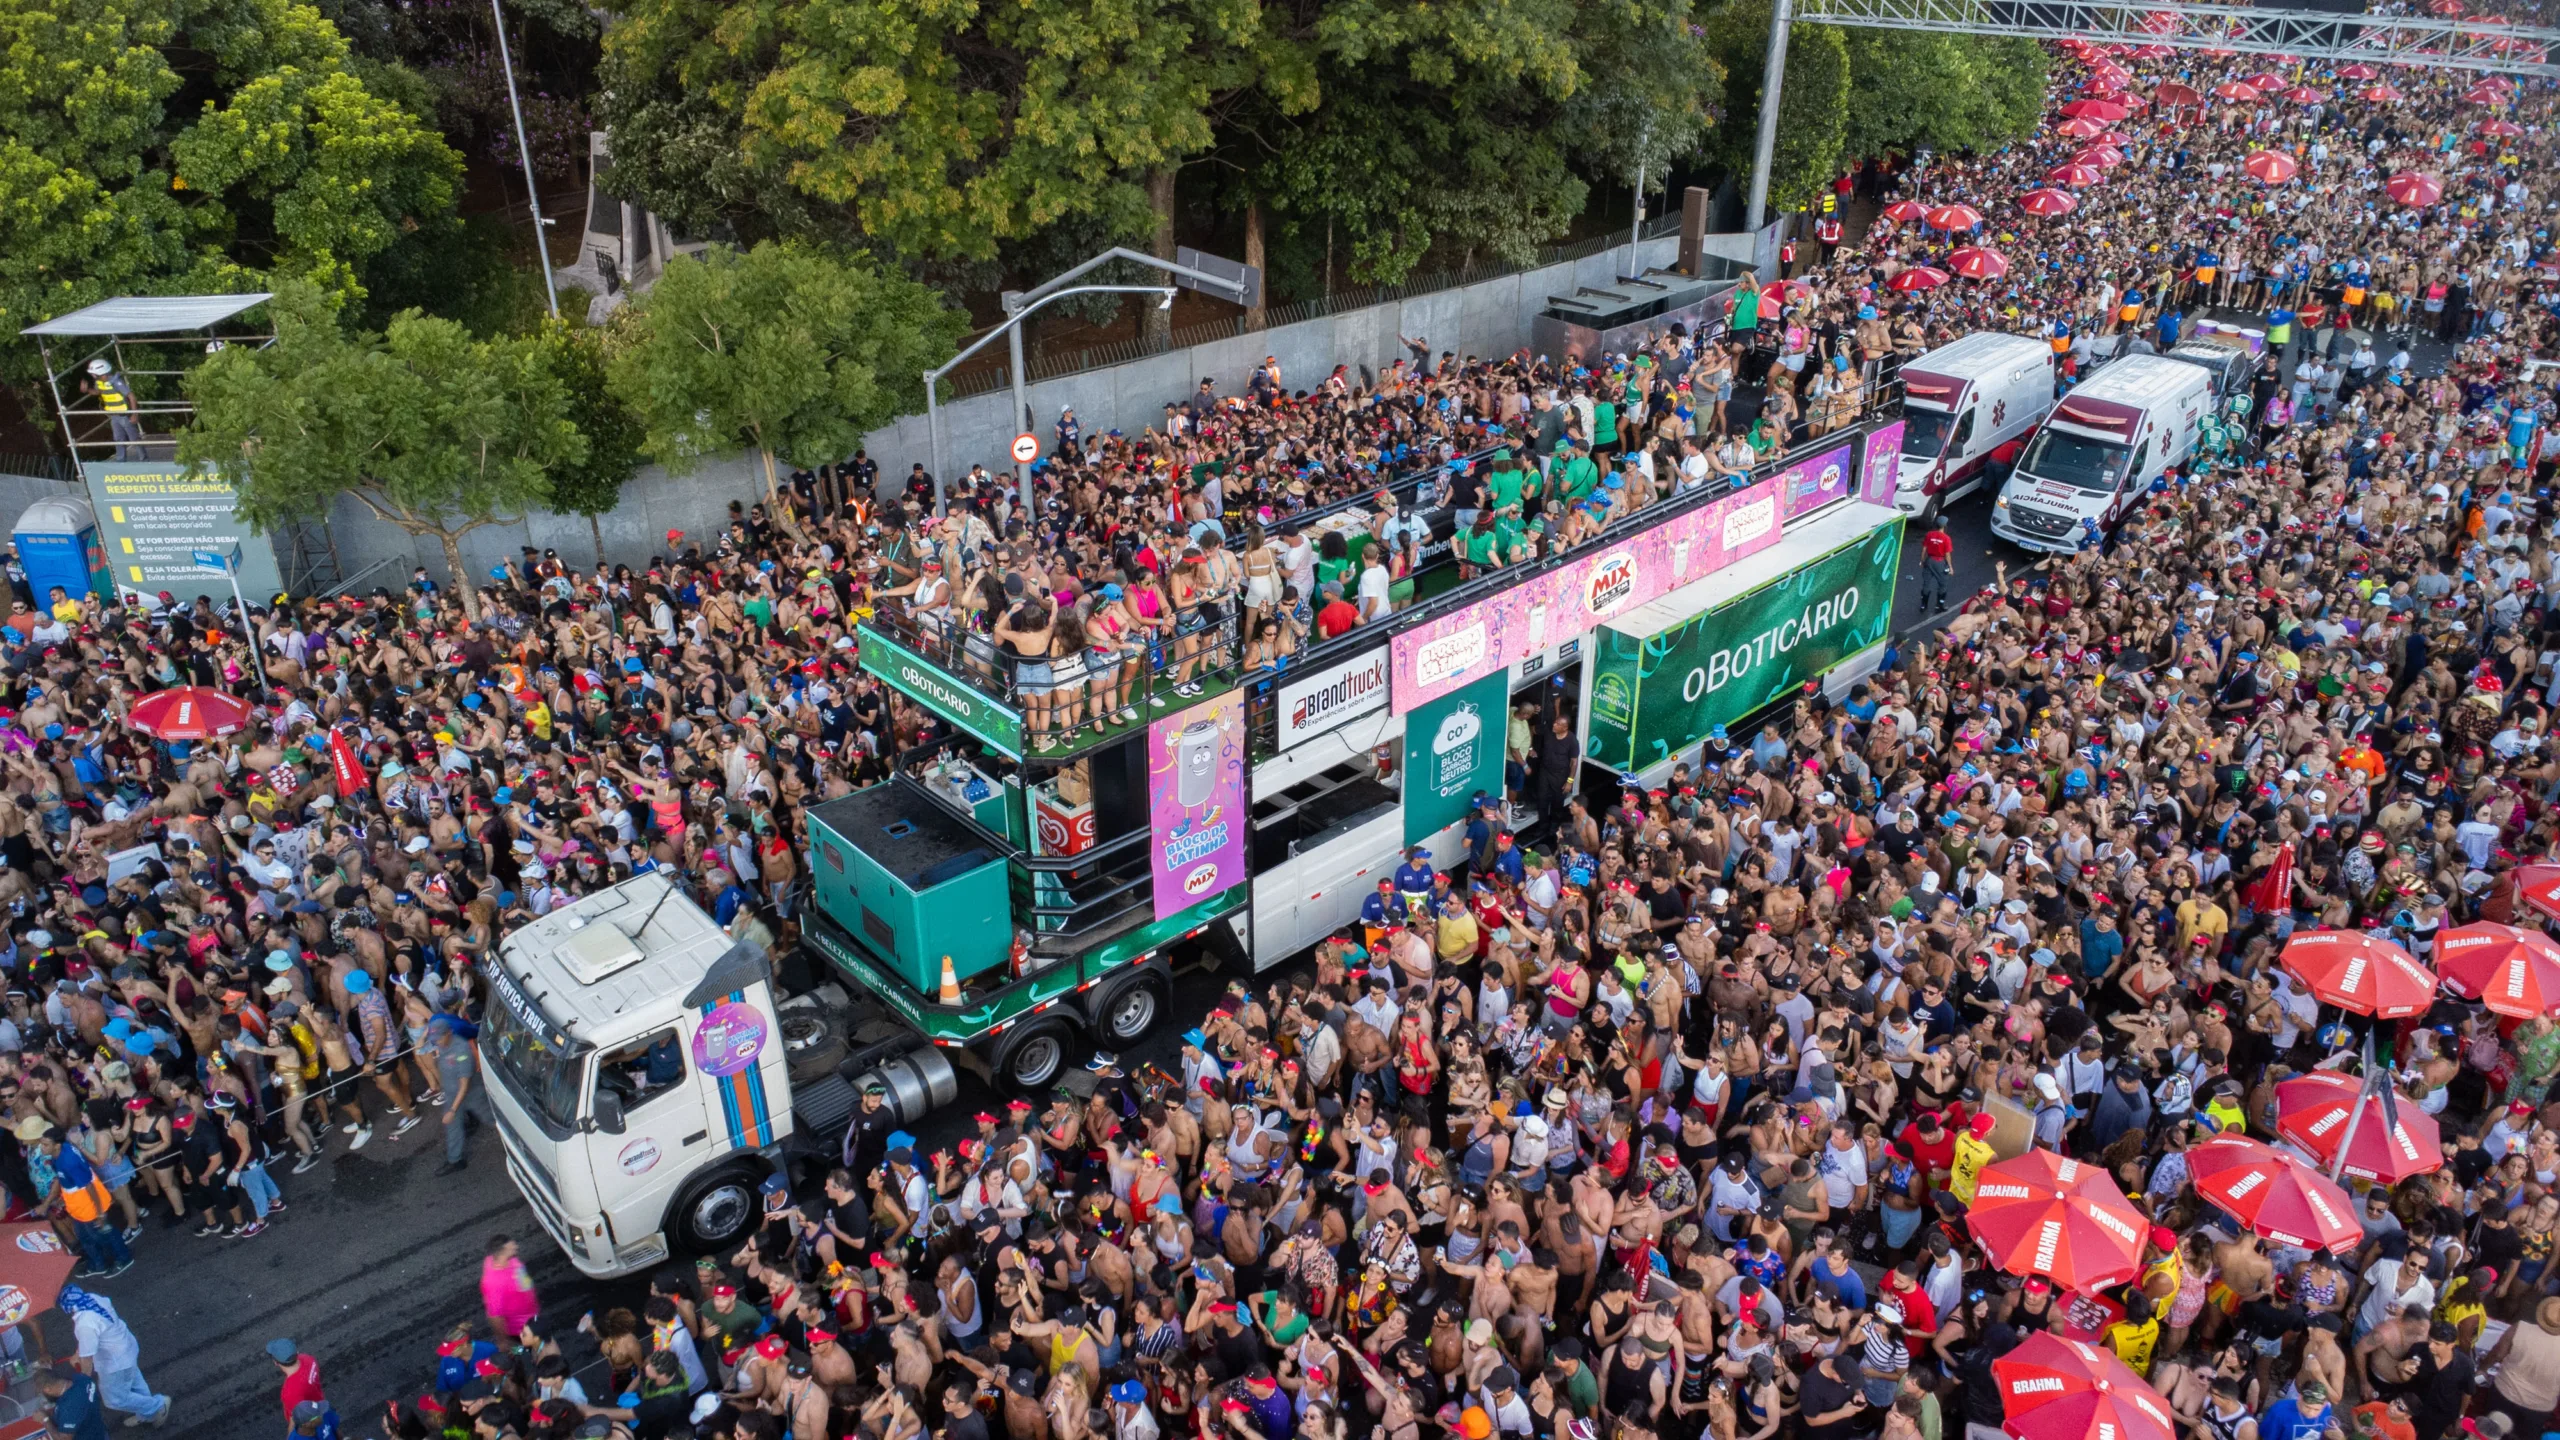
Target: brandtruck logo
x=1315, y=703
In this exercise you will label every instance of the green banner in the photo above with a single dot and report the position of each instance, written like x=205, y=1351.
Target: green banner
x=1652, y=696
x=941, y=692
x=1452, y=749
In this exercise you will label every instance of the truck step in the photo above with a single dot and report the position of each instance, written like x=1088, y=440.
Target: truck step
x=821, y=1109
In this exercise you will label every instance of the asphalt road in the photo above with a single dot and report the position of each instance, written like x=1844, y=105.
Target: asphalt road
x=377, y=1256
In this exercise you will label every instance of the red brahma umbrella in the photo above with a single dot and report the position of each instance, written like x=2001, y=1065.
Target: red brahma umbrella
x=1954, y=217
x=2449, y=9
x=2410, y=187
x=1903, y=212
x=2485, y=95
x=2175, y=94
x=2273, y=167
x=2379, y=94
x=2273, y=1193
x=2235, y=92
x=2316, y=1110
x=2305, y=95
x=2266, y=80
x=2501, y=129
x=2075, y=175
x=2539, y=887
x=2107, y=110
x=2514, y=972
x=188, y=712
x=2048, y=202
x=2079, y=128
x=2105, y=157
x=2358, y=972
x=1918, y=277
x=1973, y=262
x=2040, y=1214
x=2054, y=1388
x=2357, y=71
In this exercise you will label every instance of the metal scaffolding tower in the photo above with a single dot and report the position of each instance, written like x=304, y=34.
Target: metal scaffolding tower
x=2327, y=37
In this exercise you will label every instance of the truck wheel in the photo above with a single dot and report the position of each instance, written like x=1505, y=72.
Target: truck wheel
x=1930, y=511
x=716, y=1211
x=1130, y=1013
x=812, y=1045
x=1034, y=1056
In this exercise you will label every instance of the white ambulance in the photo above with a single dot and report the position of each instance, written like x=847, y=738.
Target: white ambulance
x=2101, y=448
x=1960, y=403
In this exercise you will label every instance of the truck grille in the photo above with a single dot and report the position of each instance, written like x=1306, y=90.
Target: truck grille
x=538, y=1190
x=2039, y=523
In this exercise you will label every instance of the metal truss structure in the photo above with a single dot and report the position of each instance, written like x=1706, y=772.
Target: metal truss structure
x=2331, y=37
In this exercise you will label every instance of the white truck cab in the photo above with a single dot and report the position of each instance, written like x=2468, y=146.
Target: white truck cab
x=2102, y=446
x=640, y=1065
x=1960, y=403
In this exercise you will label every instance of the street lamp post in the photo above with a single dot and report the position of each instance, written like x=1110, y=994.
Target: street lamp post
x=1018, y=307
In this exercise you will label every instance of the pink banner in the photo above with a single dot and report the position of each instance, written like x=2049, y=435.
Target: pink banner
x=1196, y=801
x=1815, y=483
x=1881, y=468
x=1467, y=645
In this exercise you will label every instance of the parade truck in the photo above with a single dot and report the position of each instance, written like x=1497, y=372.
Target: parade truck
x=1017, y=895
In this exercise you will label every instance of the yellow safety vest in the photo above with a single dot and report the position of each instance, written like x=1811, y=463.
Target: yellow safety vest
x=112, y=397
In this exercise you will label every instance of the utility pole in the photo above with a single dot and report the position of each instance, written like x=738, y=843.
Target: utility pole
x=524, y=152
x=1773, y=81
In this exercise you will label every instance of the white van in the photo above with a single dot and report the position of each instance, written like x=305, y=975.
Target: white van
x=1961, y=402
x=2101, y=447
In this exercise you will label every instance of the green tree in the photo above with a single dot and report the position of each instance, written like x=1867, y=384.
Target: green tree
x=592, y=485
x=1910, y=89
x=149, y=146
x=1811, y=104
x=432, y=430
x=792, y=351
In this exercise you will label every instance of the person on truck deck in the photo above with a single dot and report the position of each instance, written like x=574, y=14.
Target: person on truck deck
x=1381, y=912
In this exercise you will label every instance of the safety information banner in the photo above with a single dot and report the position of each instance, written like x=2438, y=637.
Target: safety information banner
x=154, y=515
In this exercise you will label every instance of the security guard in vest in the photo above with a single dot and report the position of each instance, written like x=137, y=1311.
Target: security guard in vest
x=1827, y=231
x=115, y=397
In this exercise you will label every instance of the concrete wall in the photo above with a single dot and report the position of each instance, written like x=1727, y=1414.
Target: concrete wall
x=1488, y=318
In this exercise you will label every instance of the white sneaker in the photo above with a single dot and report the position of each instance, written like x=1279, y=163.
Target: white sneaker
x=351, y=1129
x=405, y=1126
x=364, y=1135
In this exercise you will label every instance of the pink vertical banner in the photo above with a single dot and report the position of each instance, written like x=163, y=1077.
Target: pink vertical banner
x=1880, y=468
x=1811, y=484
x=1196, y=802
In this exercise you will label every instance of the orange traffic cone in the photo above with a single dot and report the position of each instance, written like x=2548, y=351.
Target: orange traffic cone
x=950, y=983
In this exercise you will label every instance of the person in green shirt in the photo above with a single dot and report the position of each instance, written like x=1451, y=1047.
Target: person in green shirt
x=1333, y=559
x=1581, y=1388
x=1279, y=1317
x=1505, y=485
x=1576, y=473
x=1481, y=546
x=1604, y=423
x=1746, y=311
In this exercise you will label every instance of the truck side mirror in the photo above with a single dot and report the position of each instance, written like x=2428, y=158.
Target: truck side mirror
x=608, y=1112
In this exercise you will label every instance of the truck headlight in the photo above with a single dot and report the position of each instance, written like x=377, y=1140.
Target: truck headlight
x=2000, y=507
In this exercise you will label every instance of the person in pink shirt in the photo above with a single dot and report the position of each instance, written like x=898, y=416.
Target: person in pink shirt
x=506, y=1289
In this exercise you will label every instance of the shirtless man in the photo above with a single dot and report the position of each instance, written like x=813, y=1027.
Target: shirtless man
x=1561, y=1234
x=2323, y=1359
x=2246, y=1276
x=2386, y=1358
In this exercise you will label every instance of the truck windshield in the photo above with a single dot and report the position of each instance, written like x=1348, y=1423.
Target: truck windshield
x=545, y=1077
x=1924, y=432
x=2092, y=465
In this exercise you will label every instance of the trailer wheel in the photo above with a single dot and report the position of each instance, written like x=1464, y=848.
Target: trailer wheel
x=716, y=1211
x=1034, y=1056
x=1130, y=1012
x=812, y=1045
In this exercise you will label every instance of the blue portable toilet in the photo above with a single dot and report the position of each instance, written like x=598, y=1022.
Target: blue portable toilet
x=58, y=544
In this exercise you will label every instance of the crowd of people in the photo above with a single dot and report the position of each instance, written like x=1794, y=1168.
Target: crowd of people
x=1651, y=1121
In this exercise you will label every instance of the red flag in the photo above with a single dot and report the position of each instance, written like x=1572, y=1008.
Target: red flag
x=349, y=766
x=2273, y=891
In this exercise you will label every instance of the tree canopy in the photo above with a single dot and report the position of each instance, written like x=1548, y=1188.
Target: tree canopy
x=786, y=349
x=157, y=146
x=428, y=428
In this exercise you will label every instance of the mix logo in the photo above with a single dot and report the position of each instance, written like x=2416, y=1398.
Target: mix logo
x=1612, y=584
x=1200, y=880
